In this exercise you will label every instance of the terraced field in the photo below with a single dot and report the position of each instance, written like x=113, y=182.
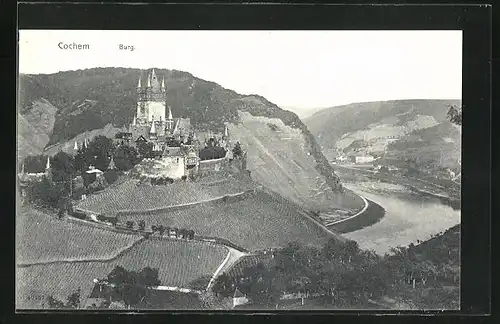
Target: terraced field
x=43, y=238
x=132, y=196
x=255, y=221
x=179, y=262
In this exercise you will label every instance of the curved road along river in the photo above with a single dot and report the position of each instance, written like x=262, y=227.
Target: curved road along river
x=409, y=217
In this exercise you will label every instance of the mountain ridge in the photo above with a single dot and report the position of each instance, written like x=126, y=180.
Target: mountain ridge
x=399, y=130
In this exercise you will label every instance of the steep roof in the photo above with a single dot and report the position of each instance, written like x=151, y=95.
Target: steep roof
x=238, y=293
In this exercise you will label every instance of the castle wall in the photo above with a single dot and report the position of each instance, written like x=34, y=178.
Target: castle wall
x=209, y=166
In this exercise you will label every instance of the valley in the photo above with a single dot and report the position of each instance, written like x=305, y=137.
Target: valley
x=266, y=186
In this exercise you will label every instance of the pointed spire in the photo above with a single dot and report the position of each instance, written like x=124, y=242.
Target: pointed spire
x=111, y=165
x=134, y=121
x=22, y=168
x=163, y=84
x=226, y=132
x=153, y=74
x=139, y=83
x=48, y=163
x=153, y=128
x=76, y=146
x=149, y=82
x=170, y=113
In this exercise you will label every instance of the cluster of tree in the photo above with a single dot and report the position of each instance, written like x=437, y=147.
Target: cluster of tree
x=237, y=150
x=161, y=181
x=455, y=115
x=65, y=168
x=345, y=276
x=212, y=152
x=72, y=301
x=131, y=286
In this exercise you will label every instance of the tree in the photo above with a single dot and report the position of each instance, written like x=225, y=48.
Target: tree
x=142, y=225
x=63, y=166
x=74, y=299
x=130, y=224
x=54, y=303
x=35, y=163
x=132, y=286
x=111, y=176
x=125, y=157
x=200, y=283
x=145, y=149
x=161, y=229
x=223, y=285
x=237, y=150
x=148, y=277
x=99, y=150
x=46, y=193
x=455, y=115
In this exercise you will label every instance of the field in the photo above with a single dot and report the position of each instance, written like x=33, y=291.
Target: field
x=43, y=238
x=254, y=221
x=179, y=262
x=132, y=196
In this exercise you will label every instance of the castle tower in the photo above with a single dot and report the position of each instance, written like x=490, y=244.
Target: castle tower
x=151, y=100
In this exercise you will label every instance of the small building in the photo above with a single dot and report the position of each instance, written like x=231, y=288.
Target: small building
x=123, y=138
x=363, y=159
x=93, y=170
x=239, y=298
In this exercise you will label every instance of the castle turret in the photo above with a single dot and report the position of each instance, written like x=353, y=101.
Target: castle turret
x=163, y=89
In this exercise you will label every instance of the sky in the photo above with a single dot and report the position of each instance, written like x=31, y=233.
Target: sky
x=300, y=69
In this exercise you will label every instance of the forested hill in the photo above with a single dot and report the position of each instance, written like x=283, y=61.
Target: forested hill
x=417, y=130
x=90, y=99
x=93, y=98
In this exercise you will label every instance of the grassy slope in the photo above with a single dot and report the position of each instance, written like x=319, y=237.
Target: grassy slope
x=179, y=263
x=132, y=196
x=42, y=238
x=254, y=222
x=280, y=159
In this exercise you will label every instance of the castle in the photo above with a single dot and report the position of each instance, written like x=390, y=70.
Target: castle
x=175, y=144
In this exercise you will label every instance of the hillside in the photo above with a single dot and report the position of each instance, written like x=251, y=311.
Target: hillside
x=399, y=130
x=91, y=99
x=41, y=238
x=34, y=127
x=178, y=262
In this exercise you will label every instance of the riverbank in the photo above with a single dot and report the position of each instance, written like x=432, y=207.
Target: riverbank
x=447, y=195
x=369, y=216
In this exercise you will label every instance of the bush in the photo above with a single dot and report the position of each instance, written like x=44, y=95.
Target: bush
x=111, y=176
x=184, y=177
x=130, y=224
x=79, y=215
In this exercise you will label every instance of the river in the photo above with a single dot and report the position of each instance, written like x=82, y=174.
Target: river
x=409, y=216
